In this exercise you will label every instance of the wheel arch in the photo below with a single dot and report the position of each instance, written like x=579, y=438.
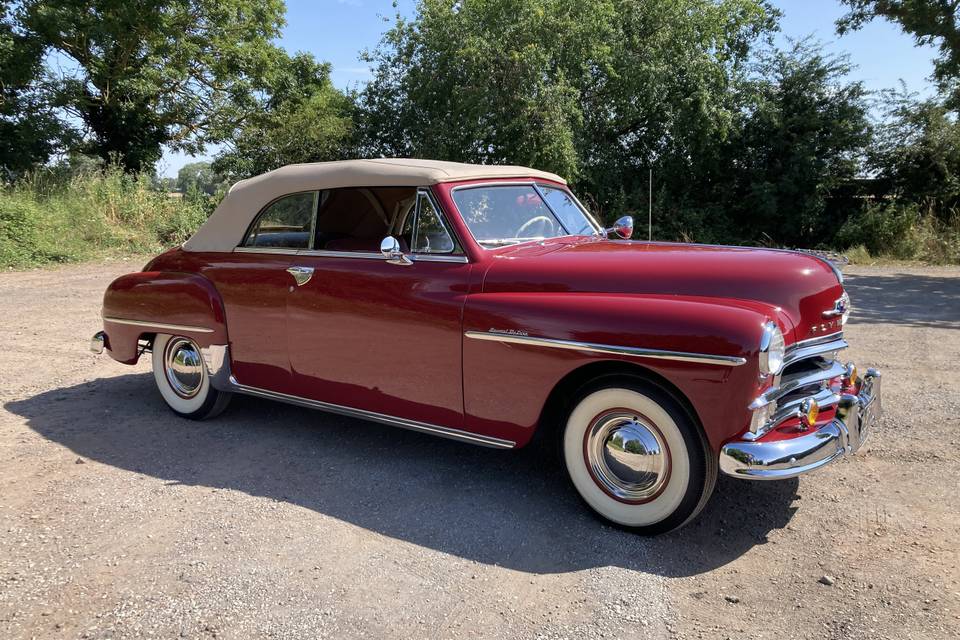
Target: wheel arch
x=560, y=399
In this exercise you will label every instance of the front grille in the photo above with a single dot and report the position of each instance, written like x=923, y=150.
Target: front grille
x=809, y=368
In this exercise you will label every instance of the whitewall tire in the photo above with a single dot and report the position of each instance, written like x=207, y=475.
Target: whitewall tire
x=636, y=457
x=183, y=379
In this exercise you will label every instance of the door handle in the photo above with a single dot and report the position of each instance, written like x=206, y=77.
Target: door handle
x=301, y=274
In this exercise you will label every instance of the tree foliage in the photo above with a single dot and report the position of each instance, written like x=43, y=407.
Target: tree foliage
x=930, y=22
x=578, y=87
x=199, y=178
x=141, y=74
x=300, y=117
x=742, y=147
x=485, y=81
x=804, y=134
x=917, y=155
x=30, y=132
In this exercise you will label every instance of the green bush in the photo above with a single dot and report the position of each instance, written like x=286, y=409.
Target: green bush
x=901, y=231
x=884, y=229
x=47, y=218
x=939, y=243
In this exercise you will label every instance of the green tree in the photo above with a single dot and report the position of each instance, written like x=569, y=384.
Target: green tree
x=485, y=81
x=917, y=155
x=199, y=177
x=666, y=100
x=804, y=134
x=930, y=22
x=140, y=74
x=595, y=90
x=302, y=117
x=29, y=129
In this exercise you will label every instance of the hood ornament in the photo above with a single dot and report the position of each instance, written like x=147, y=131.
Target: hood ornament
x=840, y=307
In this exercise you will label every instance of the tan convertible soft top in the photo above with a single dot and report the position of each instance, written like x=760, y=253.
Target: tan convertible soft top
x=225, y=228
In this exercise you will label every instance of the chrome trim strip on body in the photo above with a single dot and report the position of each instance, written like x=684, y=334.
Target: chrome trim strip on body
x=426, y=257
x=159, y=325
x=324, y=253
x=423, y=427
x=680, y=356
x=360, y=255
x=273, y=250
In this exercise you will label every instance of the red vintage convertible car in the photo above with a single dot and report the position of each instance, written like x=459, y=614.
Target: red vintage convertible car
x=485, y=304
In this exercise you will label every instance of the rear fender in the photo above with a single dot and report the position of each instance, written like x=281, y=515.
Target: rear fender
x=140, y=305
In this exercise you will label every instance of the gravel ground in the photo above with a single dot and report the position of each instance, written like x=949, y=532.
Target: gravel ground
x=118, y=520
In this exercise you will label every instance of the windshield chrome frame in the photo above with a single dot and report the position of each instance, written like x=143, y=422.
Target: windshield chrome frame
x=597, y=228
x=536, y=187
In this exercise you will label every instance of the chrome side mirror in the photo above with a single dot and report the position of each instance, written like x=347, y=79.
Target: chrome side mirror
x=622, y=227
x=390, y=248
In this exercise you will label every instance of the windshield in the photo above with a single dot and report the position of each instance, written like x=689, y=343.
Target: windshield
x=508, y=214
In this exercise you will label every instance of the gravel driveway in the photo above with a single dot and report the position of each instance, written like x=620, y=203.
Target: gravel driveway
x=118, y=520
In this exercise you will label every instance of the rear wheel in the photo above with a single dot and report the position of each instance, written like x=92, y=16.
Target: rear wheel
x=636, y=457
x=183, y=380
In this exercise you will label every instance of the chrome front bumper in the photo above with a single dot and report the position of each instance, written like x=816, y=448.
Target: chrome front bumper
x=776, y=459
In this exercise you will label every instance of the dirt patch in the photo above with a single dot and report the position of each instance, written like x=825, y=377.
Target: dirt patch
x=118, y=520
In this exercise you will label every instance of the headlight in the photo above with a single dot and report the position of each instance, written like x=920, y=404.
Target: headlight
x=771, y=349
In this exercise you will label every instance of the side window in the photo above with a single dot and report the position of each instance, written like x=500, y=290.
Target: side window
x=430, y=235
x=357, y=219
x=287, y=223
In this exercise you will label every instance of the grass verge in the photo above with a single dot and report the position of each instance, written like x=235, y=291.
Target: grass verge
x=47, y=218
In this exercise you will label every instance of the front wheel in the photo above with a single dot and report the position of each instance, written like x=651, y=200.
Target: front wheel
x=636, y=457
x=183, y=380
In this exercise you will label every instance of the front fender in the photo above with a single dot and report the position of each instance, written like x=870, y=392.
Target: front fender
x=151, y=302
x=507, y=383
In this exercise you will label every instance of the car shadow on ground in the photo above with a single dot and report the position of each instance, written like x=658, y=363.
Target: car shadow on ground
x=905, y=299
x=513, y=509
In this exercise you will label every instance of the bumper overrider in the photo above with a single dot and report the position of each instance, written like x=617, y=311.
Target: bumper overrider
x=774, y=456
x=97, y=342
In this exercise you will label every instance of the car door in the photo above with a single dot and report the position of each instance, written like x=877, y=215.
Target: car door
x=378, y=335
x=254, y=283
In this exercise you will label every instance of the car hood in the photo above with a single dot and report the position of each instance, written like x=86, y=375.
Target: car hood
x=800, y=285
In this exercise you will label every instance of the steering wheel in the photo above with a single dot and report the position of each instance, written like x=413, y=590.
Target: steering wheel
x=543, y=220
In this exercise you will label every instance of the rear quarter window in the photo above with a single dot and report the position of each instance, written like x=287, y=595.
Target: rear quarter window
x=285, y=223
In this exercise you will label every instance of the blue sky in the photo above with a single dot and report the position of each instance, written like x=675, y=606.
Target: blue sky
x=338, y=30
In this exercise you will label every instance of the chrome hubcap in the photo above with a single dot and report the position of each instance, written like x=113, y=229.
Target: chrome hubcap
x=184, y=367
x=626, y=456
